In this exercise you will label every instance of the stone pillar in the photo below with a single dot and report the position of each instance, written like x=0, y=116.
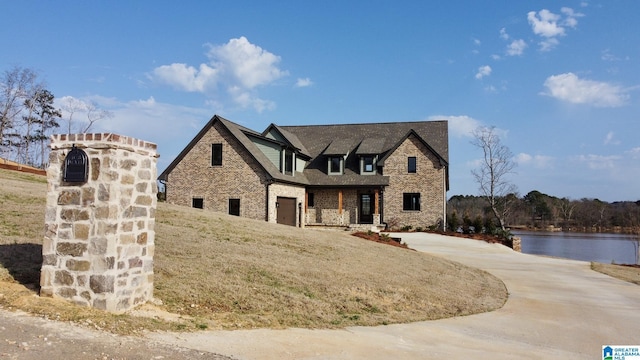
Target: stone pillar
x=99, y=234
x=517, y=244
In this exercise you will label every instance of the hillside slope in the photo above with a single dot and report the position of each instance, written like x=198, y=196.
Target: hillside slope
x=230, y=272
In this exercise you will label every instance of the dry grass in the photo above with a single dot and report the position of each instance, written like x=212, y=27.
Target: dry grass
x=242, y=273
x=220, y=271
x=622, y=272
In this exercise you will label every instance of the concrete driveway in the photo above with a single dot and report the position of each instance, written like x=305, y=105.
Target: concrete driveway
x=557, y=309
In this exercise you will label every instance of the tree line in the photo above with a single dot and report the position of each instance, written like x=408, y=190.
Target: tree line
x=537, y=210
x=498, y=206
x=28, y=116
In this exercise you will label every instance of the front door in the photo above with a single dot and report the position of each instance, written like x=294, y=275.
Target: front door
x=366, y=209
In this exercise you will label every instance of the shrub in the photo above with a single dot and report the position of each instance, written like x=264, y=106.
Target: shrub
x=477, y=224
x=453, y=222
x=490, y=226
x=504, y=234
x=467, y=226
x=393, y=223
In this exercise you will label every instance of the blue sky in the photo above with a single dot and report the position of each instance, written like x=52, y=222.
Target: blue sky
x=560, y=80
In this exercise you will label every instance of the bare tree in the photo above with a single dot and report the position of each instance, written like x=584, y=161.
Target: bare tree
x=15, y=85
x=23, y=139
x=566, y=208
x=491, y=175
x=94, y=114
x=72, y=106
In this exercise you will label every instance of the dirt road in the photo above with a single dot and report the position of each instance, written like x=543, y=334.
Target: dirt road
x=29, y=338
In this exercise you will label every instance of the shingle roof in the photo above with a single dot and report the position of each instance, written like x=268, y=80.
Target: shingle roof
x=371, y=146
x=316, y=138
x=291, y=138
x=373, y=138
x=340, y=146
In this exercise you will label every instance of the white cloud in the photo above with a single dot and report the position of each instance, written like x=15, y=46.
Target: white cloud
x=187, y=78
x=491, y=89
x=537, y=161
x=550, y=26
x=483, y=71
x=238, y=66
x=303, y=82
x=634, y=153
x=548, y=44
x=460, y=126
x=598, y=162
x=610, y=139
x=248, y=63
x=516, y=47
x=568, y=87
x=571, y=16
x=169, y=126
x=477, y=42
x=608, y=56
x=503, y=34
x=149, y=119
x=545, y=23
x=247, y=100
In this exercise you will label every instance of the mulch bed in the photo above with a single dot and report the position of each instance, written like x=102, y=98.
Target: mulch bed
x=492, y=239
x=375, y=237
x=631, y=265
x=389, y=240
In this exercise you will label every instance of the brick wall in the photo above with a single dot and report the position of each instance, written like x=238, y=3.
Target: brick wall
x=239, y=177
x=429, y=181
x=99, y=235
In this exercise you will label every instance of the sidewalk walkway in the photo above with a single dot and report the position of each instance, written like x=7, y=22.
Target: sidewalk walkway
x=557, y=309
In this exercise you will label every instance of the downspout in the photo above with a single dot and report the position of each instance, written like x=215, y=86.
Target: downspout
x=444, y=202
x=267, y=211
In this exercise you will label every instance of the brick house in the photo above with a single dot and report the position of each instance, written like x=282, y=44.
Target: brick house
x=358, y=175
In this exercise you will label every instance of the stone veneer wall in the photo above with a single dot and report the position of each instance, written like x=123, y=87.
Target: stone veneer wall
x=99, y=235
x=326, y=212
x=429, y=181
x=289, y=191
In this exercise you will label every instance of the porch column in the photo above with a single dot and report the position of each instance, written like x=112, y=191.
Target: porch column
x=306, y=201
x=376, y=207
x=340, y=202
x=376, y=202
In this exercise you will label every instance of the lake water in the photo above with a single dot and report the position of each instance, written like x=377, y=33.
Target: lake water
x=604, y=248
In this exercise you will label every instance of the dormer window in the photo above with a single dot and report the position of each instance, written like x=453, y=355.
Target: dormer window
x=336, y=165
x=367, y=165
x=288, y=162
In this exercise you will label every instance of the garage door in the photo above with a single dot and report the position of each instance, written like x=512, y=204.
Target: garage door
x=286, y=211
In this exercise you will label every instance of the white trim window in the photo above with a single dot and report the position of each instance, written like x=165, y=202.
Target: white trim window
x=335, y=165
x=367, y=165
